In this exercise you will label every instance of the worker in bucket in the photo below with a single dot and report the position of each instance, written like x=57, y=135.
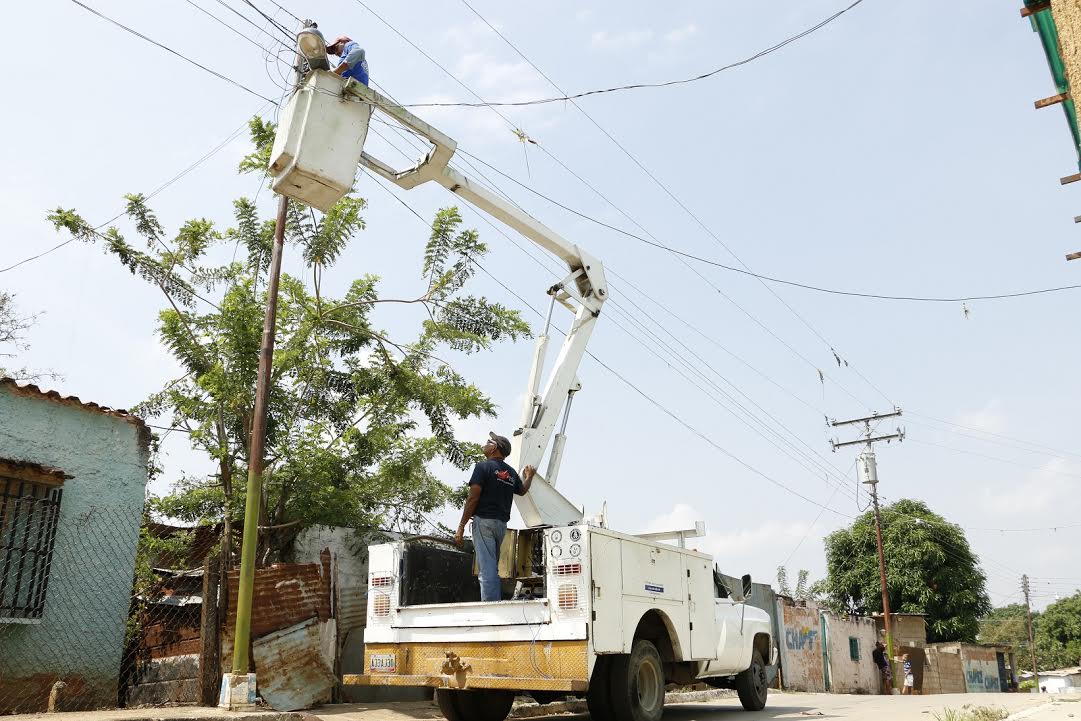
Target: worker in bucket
x=491, y=491
x=354, y=63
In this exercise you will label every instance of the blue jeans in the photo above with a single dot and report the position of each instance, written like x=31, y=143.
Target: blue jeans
x=487, y=538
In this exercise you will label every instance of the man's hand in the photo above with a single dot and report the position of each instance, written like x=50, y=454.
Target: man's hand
x=528, y=472
x=459, y=536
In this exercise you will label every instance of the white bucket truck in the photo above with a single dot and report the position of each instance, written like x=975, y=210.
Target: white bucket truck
x=596, y=613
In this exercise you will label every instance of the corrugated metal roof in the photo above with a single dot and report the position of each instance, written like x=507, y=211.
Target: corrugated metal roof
x=31, y=389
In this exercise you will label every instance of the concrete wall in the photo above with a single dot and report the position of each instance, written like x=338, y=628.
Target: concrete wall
x=848, y=675
x=981, y=669
x=943, y=670
x=801, y=649
x=81, y=635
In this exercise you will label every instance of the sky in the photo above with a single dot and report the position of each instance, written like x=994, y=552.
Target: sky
x=895, y=151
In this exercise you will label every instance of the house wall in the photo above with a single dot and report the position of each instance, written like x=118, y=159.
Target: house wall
x=801, y=649
x=848, y=675
x=981, y=669
x=943, y=670
x=80, y=638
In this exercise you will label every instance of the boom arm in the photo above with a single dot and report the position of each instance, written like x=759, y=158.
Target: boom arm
x=583, y=291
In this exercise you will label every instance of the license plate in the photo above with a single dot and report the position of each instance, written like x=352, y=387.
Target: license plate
x=383, y=663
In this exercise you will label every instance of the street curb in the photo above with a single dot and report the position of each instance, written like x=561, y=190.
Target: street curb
x=1025, y=713
x=128, y=715
x=532, y=710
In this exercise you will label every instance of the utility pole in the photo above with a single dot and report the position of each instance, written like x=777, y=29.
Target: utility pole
x=868, y=470
x=1031, y=642
x=239, y=686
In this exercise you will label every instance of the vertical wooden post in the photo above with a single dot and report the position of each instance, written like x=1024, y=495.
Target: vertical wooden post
x=209, y=636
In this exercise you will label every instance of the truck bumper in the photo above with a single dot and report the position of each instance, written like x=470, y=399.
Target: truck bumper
x=514, y=665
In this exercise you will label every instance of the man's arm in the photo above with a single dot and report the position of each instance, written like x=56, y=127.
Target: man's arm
x=527, y=480
x=467, y=512
x=342, y=68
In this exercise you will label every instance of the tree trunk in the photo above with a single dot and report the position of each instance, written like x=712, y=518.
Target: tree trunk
x=209, y=628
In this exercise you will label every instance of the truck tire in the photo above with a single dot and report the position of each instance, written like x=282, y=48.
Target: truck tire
x=599, y=696
x=637, y=682
x=448, y=704
x=484, y=704
x=751, y=684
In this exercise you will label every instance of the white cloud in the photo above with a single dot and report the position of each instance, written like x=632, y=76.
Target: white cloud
x=989, y=418
x=583, y=14
x=625, y=40
x=1050, y=487
x=735, y=548
x=679, y=35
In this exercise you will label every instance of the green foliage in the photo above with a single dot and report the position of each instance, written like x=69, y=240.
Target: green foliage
x=929, y=567
x=1058, y=634
x=355, y=418
x=804, y=591
x=1006, y=625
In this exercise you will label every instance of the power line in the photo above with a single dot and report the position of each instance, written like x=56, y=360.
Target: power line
x=167, y=49
x=996, y=435
x=690, y=213
x=637, y=86
x=232, y=136
x=660, y=406
x=760, y=276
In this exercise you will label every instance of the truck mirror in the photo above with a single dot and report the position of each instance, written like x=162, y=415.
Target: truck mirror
x=746, y=585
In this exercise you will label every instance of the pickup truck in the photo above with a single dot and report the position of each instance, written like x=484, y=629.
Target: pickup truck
x=593, y=612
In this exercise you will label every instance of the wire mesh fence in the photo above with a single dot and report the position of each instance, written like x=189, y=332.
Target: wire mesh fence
x=92, y=612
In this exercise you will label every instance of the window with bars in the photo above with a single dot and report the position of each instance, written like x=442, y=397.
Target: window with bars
x=28, y=517
x=853, y=648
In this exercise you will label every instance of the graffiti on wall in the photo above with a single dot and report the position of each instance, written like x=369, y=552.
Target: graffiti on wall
x=797, y=639
x=981, y=676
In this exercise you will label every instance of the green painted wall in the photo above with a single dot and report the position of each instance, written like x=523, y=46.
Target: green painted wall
x=80, y=638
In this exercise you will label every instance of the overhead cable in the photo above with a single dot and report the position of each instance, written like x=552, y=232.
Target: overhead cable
x=638, y=86
x=168, y=49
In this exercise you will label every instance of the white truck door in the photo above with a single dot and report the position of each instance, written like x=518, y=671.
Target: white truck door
x=606, y=566
x=700, y=598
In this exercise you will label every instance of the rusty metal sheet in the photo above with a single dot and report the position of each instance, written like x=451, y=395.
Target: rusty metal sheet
x=292, y=669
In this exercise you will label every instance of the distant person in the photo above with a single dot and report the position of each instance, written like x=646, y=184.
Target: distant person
x=910, y=679
x=491, y=491
x=354, y=62
x=883, y=665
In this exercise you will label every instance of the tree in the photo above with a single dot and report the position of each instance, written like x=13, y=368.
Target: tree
x=929, y=566
x=355, y=417
x=1007, y=625
x=804, y=591
x=1058, y=634
x=13, y=327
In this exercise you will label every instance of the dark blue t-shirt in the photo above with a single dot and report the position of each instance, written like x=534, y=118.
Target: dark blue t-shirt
x=498, y=483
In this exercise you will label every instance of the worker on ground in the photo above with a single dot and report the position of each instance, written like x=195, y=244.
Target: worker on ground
x=354, y=63
x=491, y=490
x=882, y=664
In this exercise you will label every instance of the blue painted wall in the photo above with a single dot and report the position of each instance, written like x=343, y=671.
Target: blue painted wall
x=80, y=638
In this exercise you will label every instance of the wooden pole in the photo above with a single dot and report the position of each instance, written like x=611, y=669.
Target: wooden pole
x=209, y=637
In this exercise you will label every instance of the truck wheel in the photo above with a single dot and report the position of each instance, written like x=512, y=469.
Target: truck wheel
x=638, y=683
x=448, y=704
x=751, y=684
x=484, y=704
x=599, y=696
